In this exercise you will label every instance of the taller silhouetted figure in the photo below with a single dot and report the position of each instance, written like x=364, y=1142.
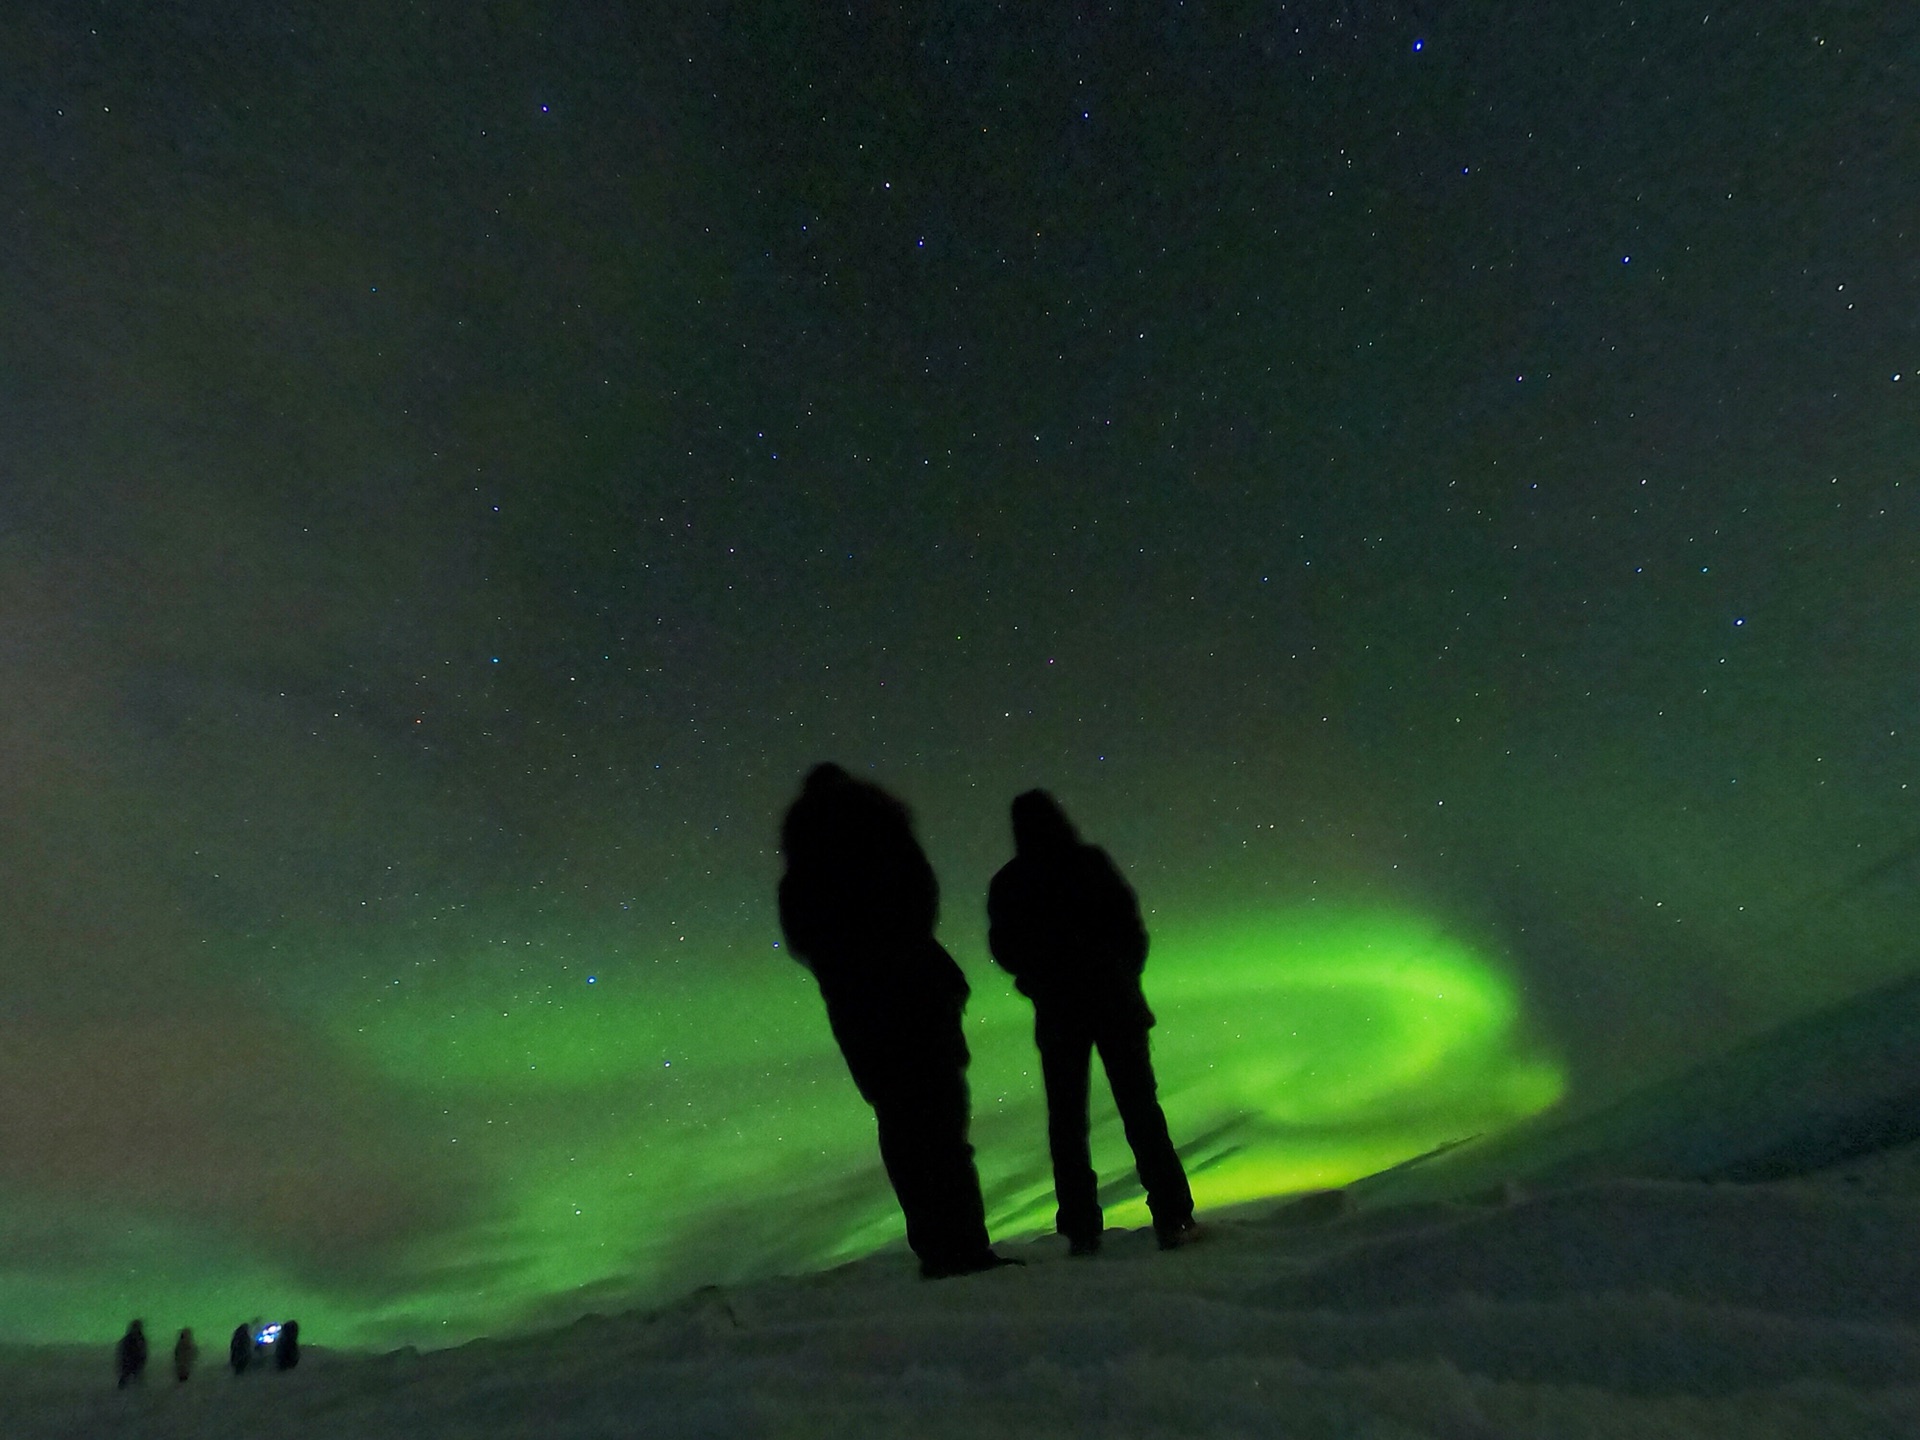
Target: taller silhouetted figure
x=130, y=1356
x=1066, y=925
x=858, y=904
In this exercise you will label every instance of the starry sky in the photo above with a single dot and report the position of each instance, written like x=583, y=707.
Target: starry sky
x=1432, y=488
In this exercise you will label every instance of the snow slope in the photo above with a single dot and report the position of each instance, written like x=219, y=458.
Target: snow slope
x=1591, y=1289
x=1815, y=1094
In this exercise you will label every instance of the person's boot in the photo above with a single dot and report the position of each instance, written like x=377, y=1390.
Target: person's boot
x=967, y=1265
x=1180, y=1235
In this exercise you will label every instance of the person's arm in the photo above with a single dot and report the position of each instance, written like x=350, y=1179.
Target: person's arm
x=799, y=920
x=1127, y=931
x=1009, y=935
x=924, y=887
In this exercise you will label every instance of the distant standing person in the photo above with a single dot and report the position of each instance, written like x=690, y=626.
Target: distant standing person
x=240, y=1349
x=130, y=1355
x=184, y=1354
x=858, y=904
x=286, y=1346
x=1065, y=924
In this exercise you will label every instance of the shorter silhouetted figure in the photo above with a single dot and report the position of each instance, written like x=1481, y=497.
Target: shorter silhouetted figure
x=240, y=1349
x=286, y=1346
x=185, y=1352
x=858, y=904
x=131, y=1354
x=1066, y=925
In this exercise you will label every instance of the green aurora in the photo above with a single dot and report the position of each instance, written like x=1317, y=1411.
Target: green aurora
x=618, y=1124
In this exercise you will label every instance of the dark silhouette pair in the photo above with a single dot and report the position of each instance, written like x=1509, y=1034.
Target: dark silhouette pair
x=130, y=1355
x=858, y=905
x=285, y=1344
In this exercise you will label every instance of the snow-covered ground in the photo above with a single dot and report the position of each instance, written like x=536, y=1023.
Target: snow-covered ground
x=1576, y=1281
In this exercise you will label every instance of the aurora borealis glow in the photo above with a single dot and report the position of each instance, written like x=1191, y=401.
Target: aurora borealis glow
x=1442, y=517
x=1309, y=1049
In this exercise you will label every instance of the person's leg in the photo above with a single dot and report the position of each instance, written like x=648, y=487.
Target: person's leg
x=922, y=1111
x=1065, y=1057
x=903, y=1151
x=1129, y=1066
x=952, y=1214
x=907, y=1052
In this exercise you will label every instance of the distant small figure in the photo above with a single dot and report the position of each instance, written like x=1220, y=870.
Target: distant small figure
x=240, y=1349
x=858, y=903
x=185, y=1352
x=1066, y=925
x=131, y=1354
x=286, y=1346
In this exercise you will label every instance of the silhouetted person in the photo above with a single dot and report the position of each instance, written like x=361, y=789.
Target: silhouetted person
x=858, y=904
x=131, y=1354
x=286, y=1346
x=240, y=1349
x=1066, y=925
x=184, y=1354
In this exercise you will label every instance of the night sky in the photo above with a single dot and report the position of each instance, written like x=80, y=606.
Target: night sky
x=1432, y=488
